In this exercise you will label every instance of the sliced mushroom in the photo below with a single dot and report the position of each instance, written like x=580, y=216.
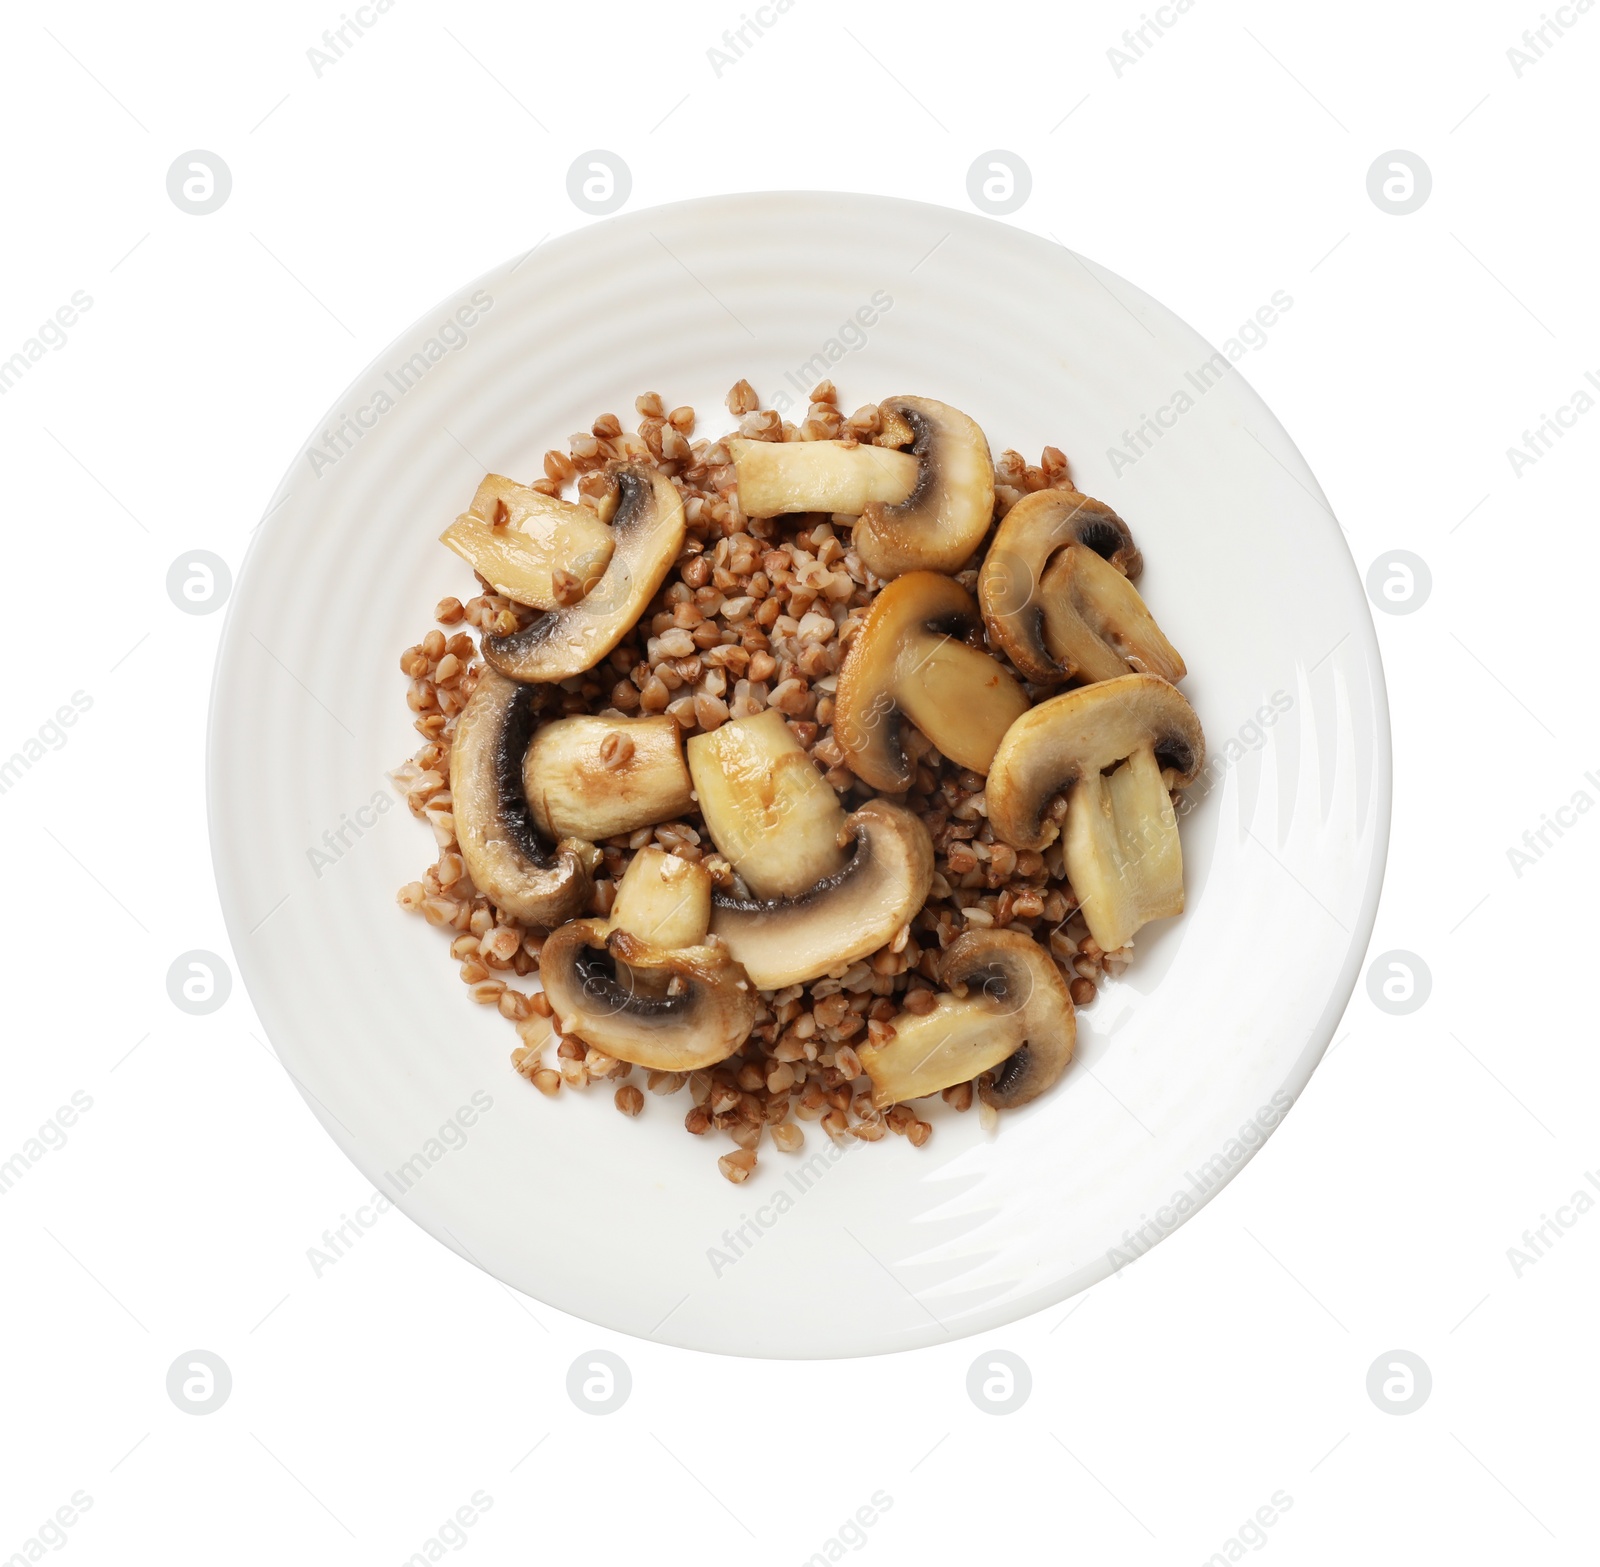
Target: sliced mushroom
x=1009, y=584
x=768, y=810
x=592, y=777
x=1121, y=840
x=699, y=1010
x=779, y=477
x=942, y=521
x=909, y=661
x=1009, y=1022
x=1096, y=626
x=506, y=857
x=533, y=548
x=647, y=527
x=784, y=941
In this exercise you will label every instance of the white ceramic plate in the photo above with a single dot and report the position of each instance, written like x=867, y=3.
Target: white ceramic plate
x=1182, y=1067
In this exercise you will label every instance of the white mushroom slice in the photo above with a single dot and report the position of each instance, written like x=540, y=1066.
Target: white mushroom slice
x=943, y=520
x=909, y=662
x=1011, y=1024
x=779, y=477
x=786, y=941
x=648, y=529
x=507, y=858
x=697, y=1010
x=533, y=548
x=1123, y=857
x=1121, y=839
x=768, y=810
x=1096, y=625
x=588, y=776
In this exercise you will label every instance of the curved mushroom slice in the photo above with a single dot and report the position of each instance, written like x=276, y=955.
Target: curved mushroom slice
x=592, y=777
x=702, y=1009
x=908, y=661
x=1095, y=624
x=1122, y=851
x=648, y=529
x=784, y=941
x=1013, y=570
x=507, y=859
x=767, y=808
x=1011, y=1024
x=779, y=477
x=533, y=548
x=942, y=521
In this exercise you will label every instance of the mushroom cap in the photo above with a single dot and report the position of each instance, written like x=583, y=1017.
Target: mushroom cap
x=942, y=521
x=708, y=1018
x=508, y=860
x=959, y=697
x=1087, y=730
x=1014, y=567
x=1018, y=980
x=648, y=529
x=785, y=941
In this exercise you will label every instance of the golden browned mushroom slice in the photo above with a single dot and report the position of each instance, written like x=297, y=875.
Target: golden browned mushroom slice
x=701, y=1016
x=909, y=662
x=649, y=985
x=769, y=811
x=1006, y=1018
x=1010, y=582
x=1096, y=626
x=1121, y=838
x=593, y=777
x=943, y=520
x=533, y=548
x=779, y=477
x=647, y=527
x=785, y=941
x=506, y=857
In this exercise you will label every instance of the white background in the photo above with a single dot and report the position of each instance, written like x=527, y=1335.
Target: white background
x=1168, y=1404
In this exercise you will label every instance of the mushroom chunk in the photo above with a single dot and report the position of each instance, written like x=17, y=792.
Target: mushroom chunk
x=698, y=1010
x=1095, y=624
x=506, y=857
x=648, y=531
x=779, y=477
x=1007, y=1019
x=908, y=661
x=786, y=941
x=940, y=524
x=1121, y=840
x=1010, y=583
x=535, y=549
x=768, y=810
x=592, y=777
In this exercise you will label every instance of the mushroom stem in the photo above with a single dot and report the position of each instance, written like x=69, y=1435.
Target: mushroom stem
x=780, y=477
x=593, y=777
x=1096, y=625
x=767, y=808
x=1123, y=855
